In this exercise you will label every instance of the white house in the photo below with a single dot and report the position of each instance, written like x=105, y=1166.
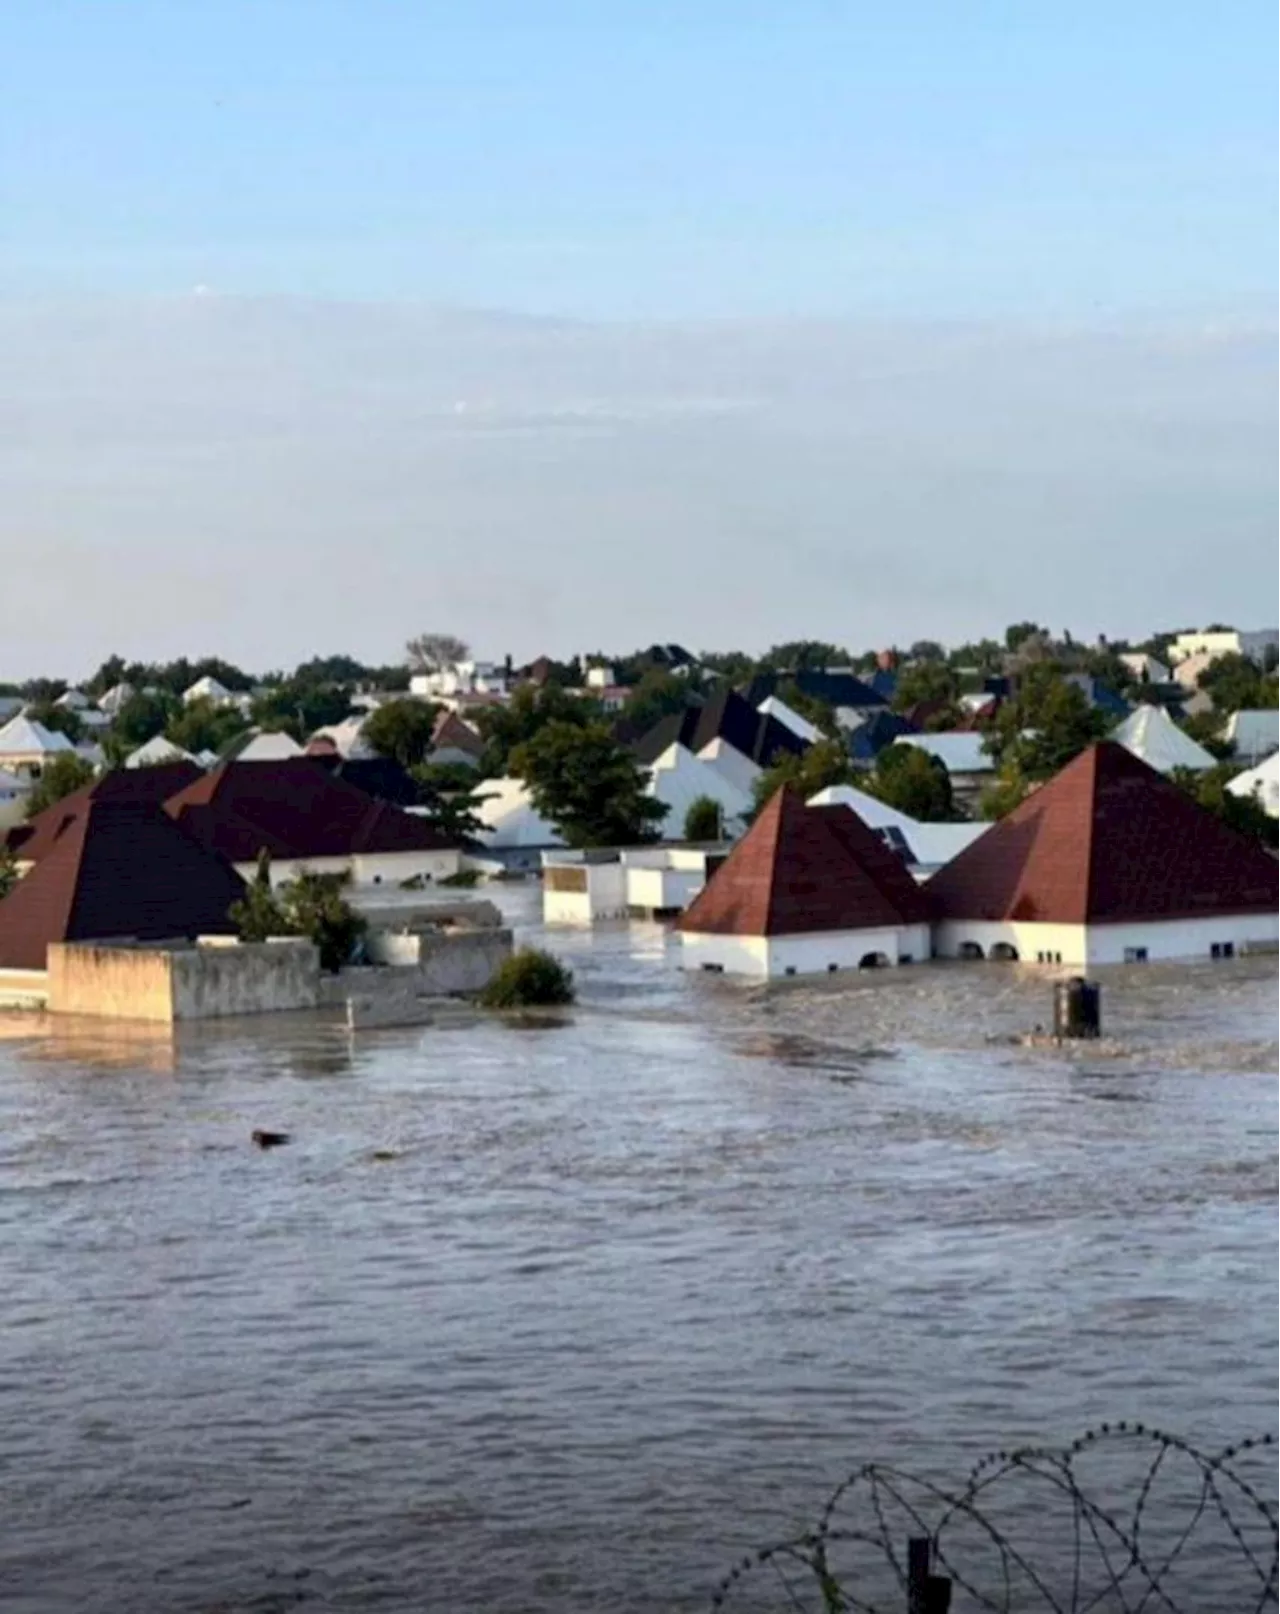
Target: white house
x=73, y=700
x=962, y=753
x=1146, y=668
x=772, y=706
x=1107, y=863
x=1224, y=642
x=207, y=688
x=515, y=834
x=807, y=890
x=582, y=888
x=264, y=746
x=346, y=738
x=1254, y=734
x=677, y=779
x=739, y=770
x=1150, y=734
x=116, y=697
x=26, y=746
x=155, y=751
x=1262, y=783
x=460, y=678
x=15, y=788
x=924, y=847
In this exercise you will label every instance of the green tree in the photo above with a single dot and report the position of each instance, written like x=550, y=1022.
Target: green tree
x=312, y=905
x=704, y=819
x=450, y=798
x=734, y=666
x=529, y=979
x=818, y=712
x=9, y=875
x=204, y=726
x=298, y=707
x=1048, y=723
x=925, y=681
x=61, y=776
x=657, y=695
x=1205, y=728
x=1244, y=814
x=110, y=674
x=142, y=717
x=430, y=652
x=587, y=785
x=402, y=730
x=58, y=719
x=825, y=763
x=913, y=782
x=1017, y=634
x=525, y=715
x=812, y=655
x=1003, y=794
x=1237, y=684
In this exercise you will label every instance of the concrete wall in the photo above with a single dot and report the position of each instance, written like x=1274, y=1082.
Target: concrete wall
x=449, y=961
x=451, y=964
x=814, y=954
x=117, y=983
x=1083, y=946
x=383, y=868
x=211, y=982
x=655, y=890
x=182, y=982
x=605, y=896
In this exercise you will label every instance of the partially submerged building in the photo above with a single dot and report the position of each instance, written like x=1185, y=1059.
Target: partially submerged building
x=807, y=890
x=1107, y=863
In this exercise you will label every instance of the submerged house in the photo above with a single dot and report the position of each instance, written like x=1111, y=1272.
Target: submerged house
x=120, y=871
x=1107, y=863
x=808, y=890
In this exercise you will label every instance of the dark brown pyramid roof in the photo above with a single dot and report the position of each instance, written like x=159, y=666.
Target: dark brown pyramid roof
x=31, y=841
x=798, y=869
x=1107, y=839
x=296, y=808
x=122, y=870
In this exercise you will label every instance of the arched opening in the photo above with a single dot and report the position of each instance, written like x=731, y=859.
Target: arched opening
x=1006, y=953
x=971, y=950
x=873, y=961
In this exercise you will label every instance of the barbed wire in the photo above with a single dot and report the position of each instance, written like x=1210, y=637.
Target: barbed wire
x=1126, y=1519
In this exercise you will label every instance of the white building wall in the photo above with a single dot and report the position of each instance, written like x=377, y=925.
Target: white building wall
x=1086, y=946
x=604, y=898
x=817, y=953
x=656, y=889
x=379, y=868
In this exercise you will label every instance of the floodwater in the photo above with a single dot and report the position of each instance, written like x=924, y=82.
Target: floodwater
x=569, y=1315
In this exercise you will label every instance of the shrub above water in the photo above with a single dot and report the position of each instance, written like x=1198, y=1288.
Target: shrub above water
x=529, y=979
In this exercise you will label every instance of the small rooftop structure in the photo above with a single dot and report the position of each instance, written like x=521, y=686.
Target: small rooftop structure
x=26, y=742
x=207, y=688
x=157, y=750
x=262, y=745
x=1150, y=734
x=922, y=846
x=1262, y=783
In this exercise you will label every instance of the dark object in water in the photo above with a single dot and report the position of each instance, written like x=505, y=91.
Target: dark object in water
x=270, y=1140
x=1077, y=1008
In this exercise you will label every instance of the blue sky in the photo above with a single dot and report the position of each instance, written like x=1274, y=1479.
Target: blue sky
x=672, y=158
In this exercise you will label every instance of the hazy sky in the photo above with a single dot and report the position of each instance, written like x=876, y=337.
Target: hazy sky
x=870, y=322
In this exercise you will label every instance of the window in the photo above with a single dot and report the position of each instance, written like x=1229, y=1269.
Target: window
x=790, y=970
x=1222, y=950
x=1135, y=955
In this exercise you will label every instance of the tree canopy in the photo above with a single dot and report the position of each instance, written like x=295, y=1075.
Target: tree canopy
x=60, y=776
x=1245, y=814
x=704, y=819
x=1237, y=684
x=913, y=782
x=430, y=652
x=587, y=785
x=657, y=695
x=825, y=763
x=530, y=709
x=202, y=725
x=401, y=730
x=1047, y=724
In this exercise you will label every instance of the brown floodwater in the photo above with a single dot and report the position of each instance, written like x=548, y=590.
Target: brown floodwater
x=567, y=1316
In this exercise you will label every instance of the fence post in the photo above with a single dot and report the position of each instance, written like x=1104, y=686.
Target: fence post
x=926, y=1593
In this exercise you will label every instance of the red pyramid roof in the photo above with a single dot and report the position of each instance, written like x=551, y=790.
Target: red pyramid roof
x=1106, y=840
x=30, y=842
x=800, y=869
x=121, y=869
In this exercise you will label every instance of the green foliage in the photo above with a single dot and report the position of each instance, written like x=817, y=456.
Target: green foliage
x=926, y=650
x=1017, y=634
x=1245, y=814
x=430, y=652
x=528, y=979
x=9, y=875
x=1048, y=723
x=1205, y=728
x=142, y=717
x=1237, y=684
x=703, y=820
x=734, y=666
x=587, y=785
x=506, y=728
x=204, y=726
x=312, y=906
x=825, y=763
x=925, y=681
x=298, y=708
x=912, y=781
x=448, y=793
x=657, y=695
x=58, y=719
x=111, y=673
x=402, y=730
x=818, y=712
x=61, y=776
x=1002, y=795
x=465, y=878
x=812, y=655
x=983, y=654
